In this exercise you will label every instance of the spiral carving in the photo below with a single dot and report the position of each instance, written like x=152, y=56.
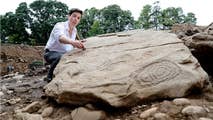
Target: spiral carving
x=157, y=72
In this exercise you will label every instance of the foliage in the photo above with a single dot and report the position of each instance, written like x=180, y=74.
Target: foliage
x=45, y=14
x=36, y=64
x=95, y=29
x=145, y=17
x=113, y=19
x=156, y=15
x=88, y=18
x=171, y=16
x=13, y=26
x=190, y=18
x=153, y=16
x=33, y=24
x=109, y=19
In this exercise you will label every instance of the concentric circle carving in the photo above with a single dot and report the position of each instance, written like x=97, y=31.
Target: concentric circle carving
x=157, y=72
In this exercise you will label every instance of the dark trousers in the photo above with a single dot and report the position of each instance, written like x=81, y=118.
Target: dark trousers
x=52, y=58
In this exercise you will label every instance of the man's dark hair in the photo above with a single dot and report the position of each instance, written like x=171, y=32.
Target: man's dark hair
x=75, y=10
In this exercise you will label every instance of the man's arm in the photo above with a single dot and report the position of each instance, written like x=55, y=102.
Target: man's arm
x=75, y=43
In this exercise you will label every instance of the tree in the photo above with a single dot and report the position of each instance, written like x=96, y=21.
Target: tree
x=109, y=18
x=162, y=19
x=145, y=17
x=14, y=26
x=8, y=28
x=113, y=19
x=45, y=15
x=95, y=29
x=106, y=20
x=156, y=15
x=137, y=24
x=165, y=19
x=23, y=21
x=190, y=18
x=3, y=28
x=88, y=19
x=33, y=25
x=171, y=16
x=126, y=20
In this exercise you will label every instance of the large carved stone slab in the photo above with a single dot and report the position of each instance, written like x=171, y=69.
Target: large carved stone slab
x=123, y=69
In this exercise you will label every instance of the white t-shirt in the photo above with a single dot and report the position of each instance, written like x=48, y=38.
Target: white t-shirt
x=61, y=28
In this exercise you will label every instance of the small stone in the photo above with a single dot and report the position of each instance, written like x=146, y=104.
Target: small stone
x=211, y=107
x=90, y=106
x=18, y=77
x=194, y=110
x=33, y=107
x=86, y=114
x=14, y=101
x=47, y=112
x=27, y=116
x=181, y=101
x=204, y=118
x=9, y=92
x=1, y=93
x=161, y=116
x=4, y=88
x=134, y=111
x=148, y=112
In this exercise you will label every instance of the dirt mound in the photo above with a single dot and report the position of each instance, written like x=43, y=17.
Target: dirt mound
x=17, y=58
x=187, y=28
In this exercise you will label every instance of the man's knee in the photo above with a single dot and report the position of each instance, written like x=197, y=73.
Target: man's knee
x=58, y=58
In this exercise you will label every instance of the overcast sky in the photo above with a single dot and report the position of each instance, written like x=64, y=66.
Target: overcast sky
x=201, y=8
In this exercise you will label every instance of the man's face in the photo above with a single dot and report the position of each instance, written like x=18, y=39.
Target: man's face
x=74, y=18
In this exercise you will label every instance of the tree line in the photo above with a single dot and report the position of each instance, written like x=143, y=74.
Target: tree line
x=32, y=24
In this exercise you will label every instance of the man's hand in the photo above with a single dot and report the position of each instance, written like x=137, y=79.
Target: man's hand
x=83, y=40
x=78, y=44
